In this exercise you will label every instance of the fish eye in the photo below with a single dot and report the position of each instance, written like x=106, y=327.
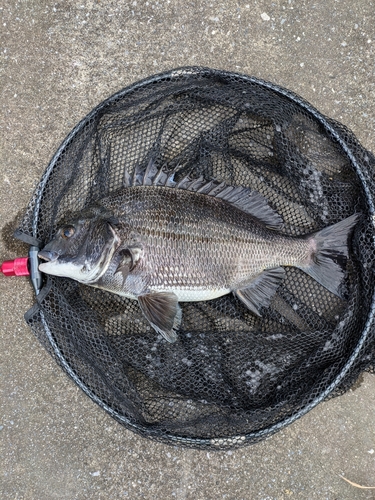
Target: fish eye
x=68, y=231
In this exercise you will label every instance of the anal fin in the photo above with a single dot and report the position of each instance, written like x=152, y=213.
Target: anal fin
x=259, y=292
x=163, y=312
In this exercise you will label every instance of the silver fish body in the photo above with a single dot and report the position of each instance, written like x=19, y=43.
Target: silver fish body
x=195, y=240
x=193, y=245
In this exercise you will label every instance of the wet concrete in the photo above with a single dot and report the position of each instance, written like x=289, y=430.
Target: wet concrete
x=59, y=60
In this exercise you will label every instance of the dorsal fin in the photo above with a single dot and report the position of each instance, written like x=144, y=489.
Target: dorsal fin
x=241, y=197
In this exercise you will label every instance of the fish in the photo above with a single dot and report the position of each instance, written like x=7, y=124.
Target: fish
x=162, y=240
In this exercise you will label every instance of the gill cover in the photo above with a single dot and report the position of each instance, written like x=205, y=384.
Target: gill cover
x=82, y=248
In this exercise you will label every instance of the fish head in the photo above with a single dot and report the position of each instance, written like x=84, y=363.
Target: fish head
x=82, y=248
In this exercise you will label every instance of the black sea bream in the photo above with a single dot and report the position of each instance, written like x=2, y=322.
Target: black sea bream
x=162, y=242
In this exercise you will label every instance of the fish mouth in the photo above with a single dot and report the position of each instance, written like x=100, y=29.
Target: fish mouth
x=48, y=256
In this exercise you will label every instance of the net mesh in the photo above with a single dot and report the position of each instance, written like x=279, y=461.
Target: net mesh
x=231, y=378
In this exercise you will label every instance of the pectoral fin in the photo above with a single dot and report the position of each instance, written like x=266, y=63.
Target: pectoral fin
x=129, y=258
x=125, y=264
x=163, y=312
x=261, y=290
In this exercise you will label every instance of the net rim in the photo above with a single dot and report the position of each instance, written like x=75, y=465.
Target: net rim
x=174, y=74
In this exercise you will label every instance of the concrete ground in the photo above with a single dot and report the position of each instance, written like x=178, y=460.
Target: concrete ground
x=60, y=59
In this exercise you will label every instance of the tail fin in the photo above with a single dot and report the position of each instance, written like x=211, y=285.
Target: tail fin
x=329, y=253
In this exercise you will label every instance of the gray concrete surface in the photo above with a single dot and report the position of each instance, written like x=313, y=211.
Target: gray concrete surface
x=60, y=59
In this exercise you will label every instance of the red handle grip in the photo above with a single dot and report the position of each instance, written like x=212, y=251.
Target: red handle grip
x=16, y=267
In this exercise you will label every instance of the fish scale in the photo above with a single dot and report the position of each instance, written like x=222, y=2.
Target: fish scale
x=162, y=241
x=216, y=245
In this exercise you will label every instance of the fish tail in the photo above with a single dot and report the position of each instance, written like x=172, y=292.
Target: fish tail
x=329, y=254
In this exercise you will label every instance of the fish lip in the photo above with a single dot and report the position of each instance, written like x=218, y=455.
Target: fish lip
x=48, y=256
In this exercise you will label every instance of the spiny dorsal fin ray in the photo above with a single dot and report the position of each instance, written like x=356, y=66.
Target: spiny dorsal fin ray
x=241, y=197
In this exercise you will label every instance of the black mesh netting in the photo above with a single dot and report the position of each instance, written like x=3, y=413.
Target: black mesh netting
x=231, y=378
